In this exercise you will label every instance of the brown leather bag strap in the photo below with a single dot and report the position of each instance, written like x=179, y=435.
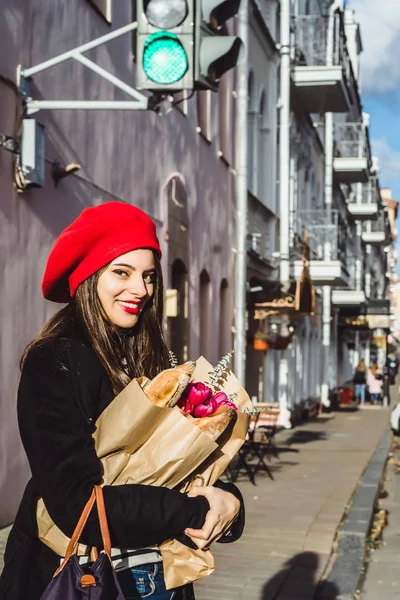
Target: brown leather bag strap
x=101, y=509
x=73, y=543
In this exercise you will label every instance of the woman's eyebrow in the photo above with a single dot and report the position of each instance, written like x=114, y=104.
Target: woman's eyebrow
x=150, y=270
x=123, y=265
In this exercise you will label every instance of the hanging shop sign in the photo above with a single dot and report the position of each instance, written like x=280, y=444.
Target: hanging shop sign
x=302, y=301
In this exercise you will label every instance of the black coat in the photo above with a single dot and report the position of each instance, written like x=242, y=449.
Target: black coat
x=63, y=390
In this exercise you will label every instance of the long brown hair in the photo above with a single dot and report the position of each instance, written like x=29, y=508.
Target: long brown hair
x=124, y=354
x=361, y=366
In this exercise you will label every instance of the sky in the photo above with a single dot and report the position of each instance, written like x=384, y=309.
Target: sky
x=380, y=82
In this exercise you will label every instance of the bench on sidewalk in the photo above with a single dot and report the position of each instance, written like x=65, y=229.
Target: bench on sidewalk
x=259, y=443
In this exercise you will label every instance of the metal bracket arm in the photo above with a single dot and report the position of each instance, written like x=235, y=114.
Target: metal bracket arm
x=141, y=102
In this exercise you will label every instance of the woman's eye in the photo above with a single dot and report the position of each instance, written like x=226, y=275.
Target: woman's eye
x=150, y=278
x=121, y=272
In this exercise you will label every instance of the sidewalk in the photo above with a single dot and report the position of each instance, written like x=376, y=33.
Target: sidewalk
x=383, y=576
x=291, y=521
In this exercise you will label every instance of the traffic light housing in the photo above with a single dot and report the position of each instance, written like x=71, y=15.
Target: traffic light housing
x=164, y=44
x=214, y=53
x=179, y=45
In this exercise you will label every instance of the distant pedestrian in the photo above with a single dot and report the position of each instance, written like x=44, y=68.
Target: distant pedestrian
x=375, y=383
x=360, y=381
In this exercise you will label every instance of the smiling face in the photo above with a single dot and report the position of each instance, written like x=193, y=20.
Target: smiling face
x=125, y=287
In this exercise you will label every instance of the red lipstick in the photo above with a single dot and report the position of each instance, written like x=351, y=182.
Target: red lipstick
x=132, y=310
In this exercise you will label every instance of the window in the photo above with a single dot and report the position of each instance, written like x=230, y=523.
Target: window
x=204, y=114
x=179, y=324
x=103, y=7
x=205, y=314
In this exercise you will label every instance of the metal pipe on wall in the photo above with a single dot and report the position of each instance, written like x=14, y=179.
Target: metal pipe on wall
x=326, y=293
x=241, y=196
x=284, y=141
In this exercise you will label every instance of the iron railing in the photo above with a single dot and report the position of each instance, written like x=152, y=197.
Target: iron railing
x=311, y=41
x=370, y=192
x=351, y=141
x=380, y=224
x=329, y=236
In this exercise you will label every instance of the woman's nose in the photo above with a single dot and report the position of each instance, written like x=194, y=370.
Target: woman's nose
x=138, y=288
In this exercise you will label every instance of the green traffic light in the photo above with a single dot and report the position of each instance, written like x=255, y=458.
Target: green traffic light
x=164, y=58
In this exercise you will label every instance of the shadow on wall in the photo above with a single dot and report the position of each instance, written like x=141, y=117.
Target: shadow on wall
x=299, y=579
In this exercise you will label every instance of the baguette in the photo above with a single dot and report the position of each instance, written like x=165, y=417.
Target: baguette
x=215, y=424
x=167, y=387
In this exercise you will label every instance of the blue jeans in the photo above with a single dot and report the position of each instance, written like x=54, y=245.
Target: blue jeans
x=146, y=581
x=359, y=391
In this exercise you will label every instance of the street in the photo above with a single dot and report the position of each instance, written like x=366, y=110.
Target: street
x=292, y=521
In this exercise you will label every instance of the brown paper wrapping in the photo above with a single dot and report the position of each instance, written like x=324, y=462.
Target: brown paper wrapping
x=139, y=442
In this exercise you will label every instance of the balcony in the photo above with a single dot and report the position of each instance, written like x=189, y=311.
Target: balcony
x=328, y=239
x=377, y=233
x=352, y=159
x=367, y=205
x=322, y=72
x=354, y=295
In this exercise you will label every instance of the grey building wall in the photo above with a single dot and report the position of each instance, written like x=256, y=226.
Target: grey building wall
x=124, y=155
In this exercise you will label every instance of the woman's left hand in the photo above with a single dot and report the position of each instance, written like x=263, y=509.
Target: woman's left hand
x=224, y=508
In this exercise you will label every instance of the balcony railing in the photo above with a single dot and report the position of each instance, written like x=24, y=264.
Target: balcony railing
x=323, y=72
x=381, y=224
x=314, y=49
x=352, y=153
x=370, y=192
x=328, y=234
x=351, y=141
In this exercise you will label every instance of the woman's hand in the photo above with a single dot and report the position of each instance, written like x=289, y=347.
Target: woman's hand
x=224, y=508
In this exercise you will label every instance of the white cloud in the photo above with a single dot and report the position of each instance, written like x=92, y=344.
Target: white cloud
x=389, y=162
x=380, y=32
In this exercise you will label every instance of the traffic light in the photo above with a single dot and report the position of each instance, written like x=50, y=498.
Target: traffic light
x=179, y=44
x=165, y=44
x=214, y=53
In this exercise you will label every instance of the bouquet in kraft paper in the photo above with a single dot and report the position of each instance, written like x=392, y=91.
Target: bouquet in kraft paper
x=178, y=430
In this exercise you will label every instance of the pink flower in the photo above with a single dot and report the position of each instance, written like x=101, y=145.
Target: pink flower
x=205, y=409
x=197, y=393
x=222, y=399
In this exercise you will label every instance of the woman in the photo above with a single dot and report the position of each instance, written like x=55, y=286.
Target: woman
x=359, y=381
x=106, y=266
x=375, y=383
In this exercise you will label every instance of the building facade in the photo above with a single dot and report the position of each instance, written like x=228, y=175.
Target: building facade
x=328, y=202
x=178, y=168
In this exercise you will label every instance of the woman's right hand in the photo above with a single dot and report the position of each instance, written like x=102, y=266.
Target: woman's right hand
x=224, y=509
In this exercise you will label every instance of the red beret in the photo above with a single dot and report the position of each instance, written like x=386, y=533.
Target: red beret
x=99, y=235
